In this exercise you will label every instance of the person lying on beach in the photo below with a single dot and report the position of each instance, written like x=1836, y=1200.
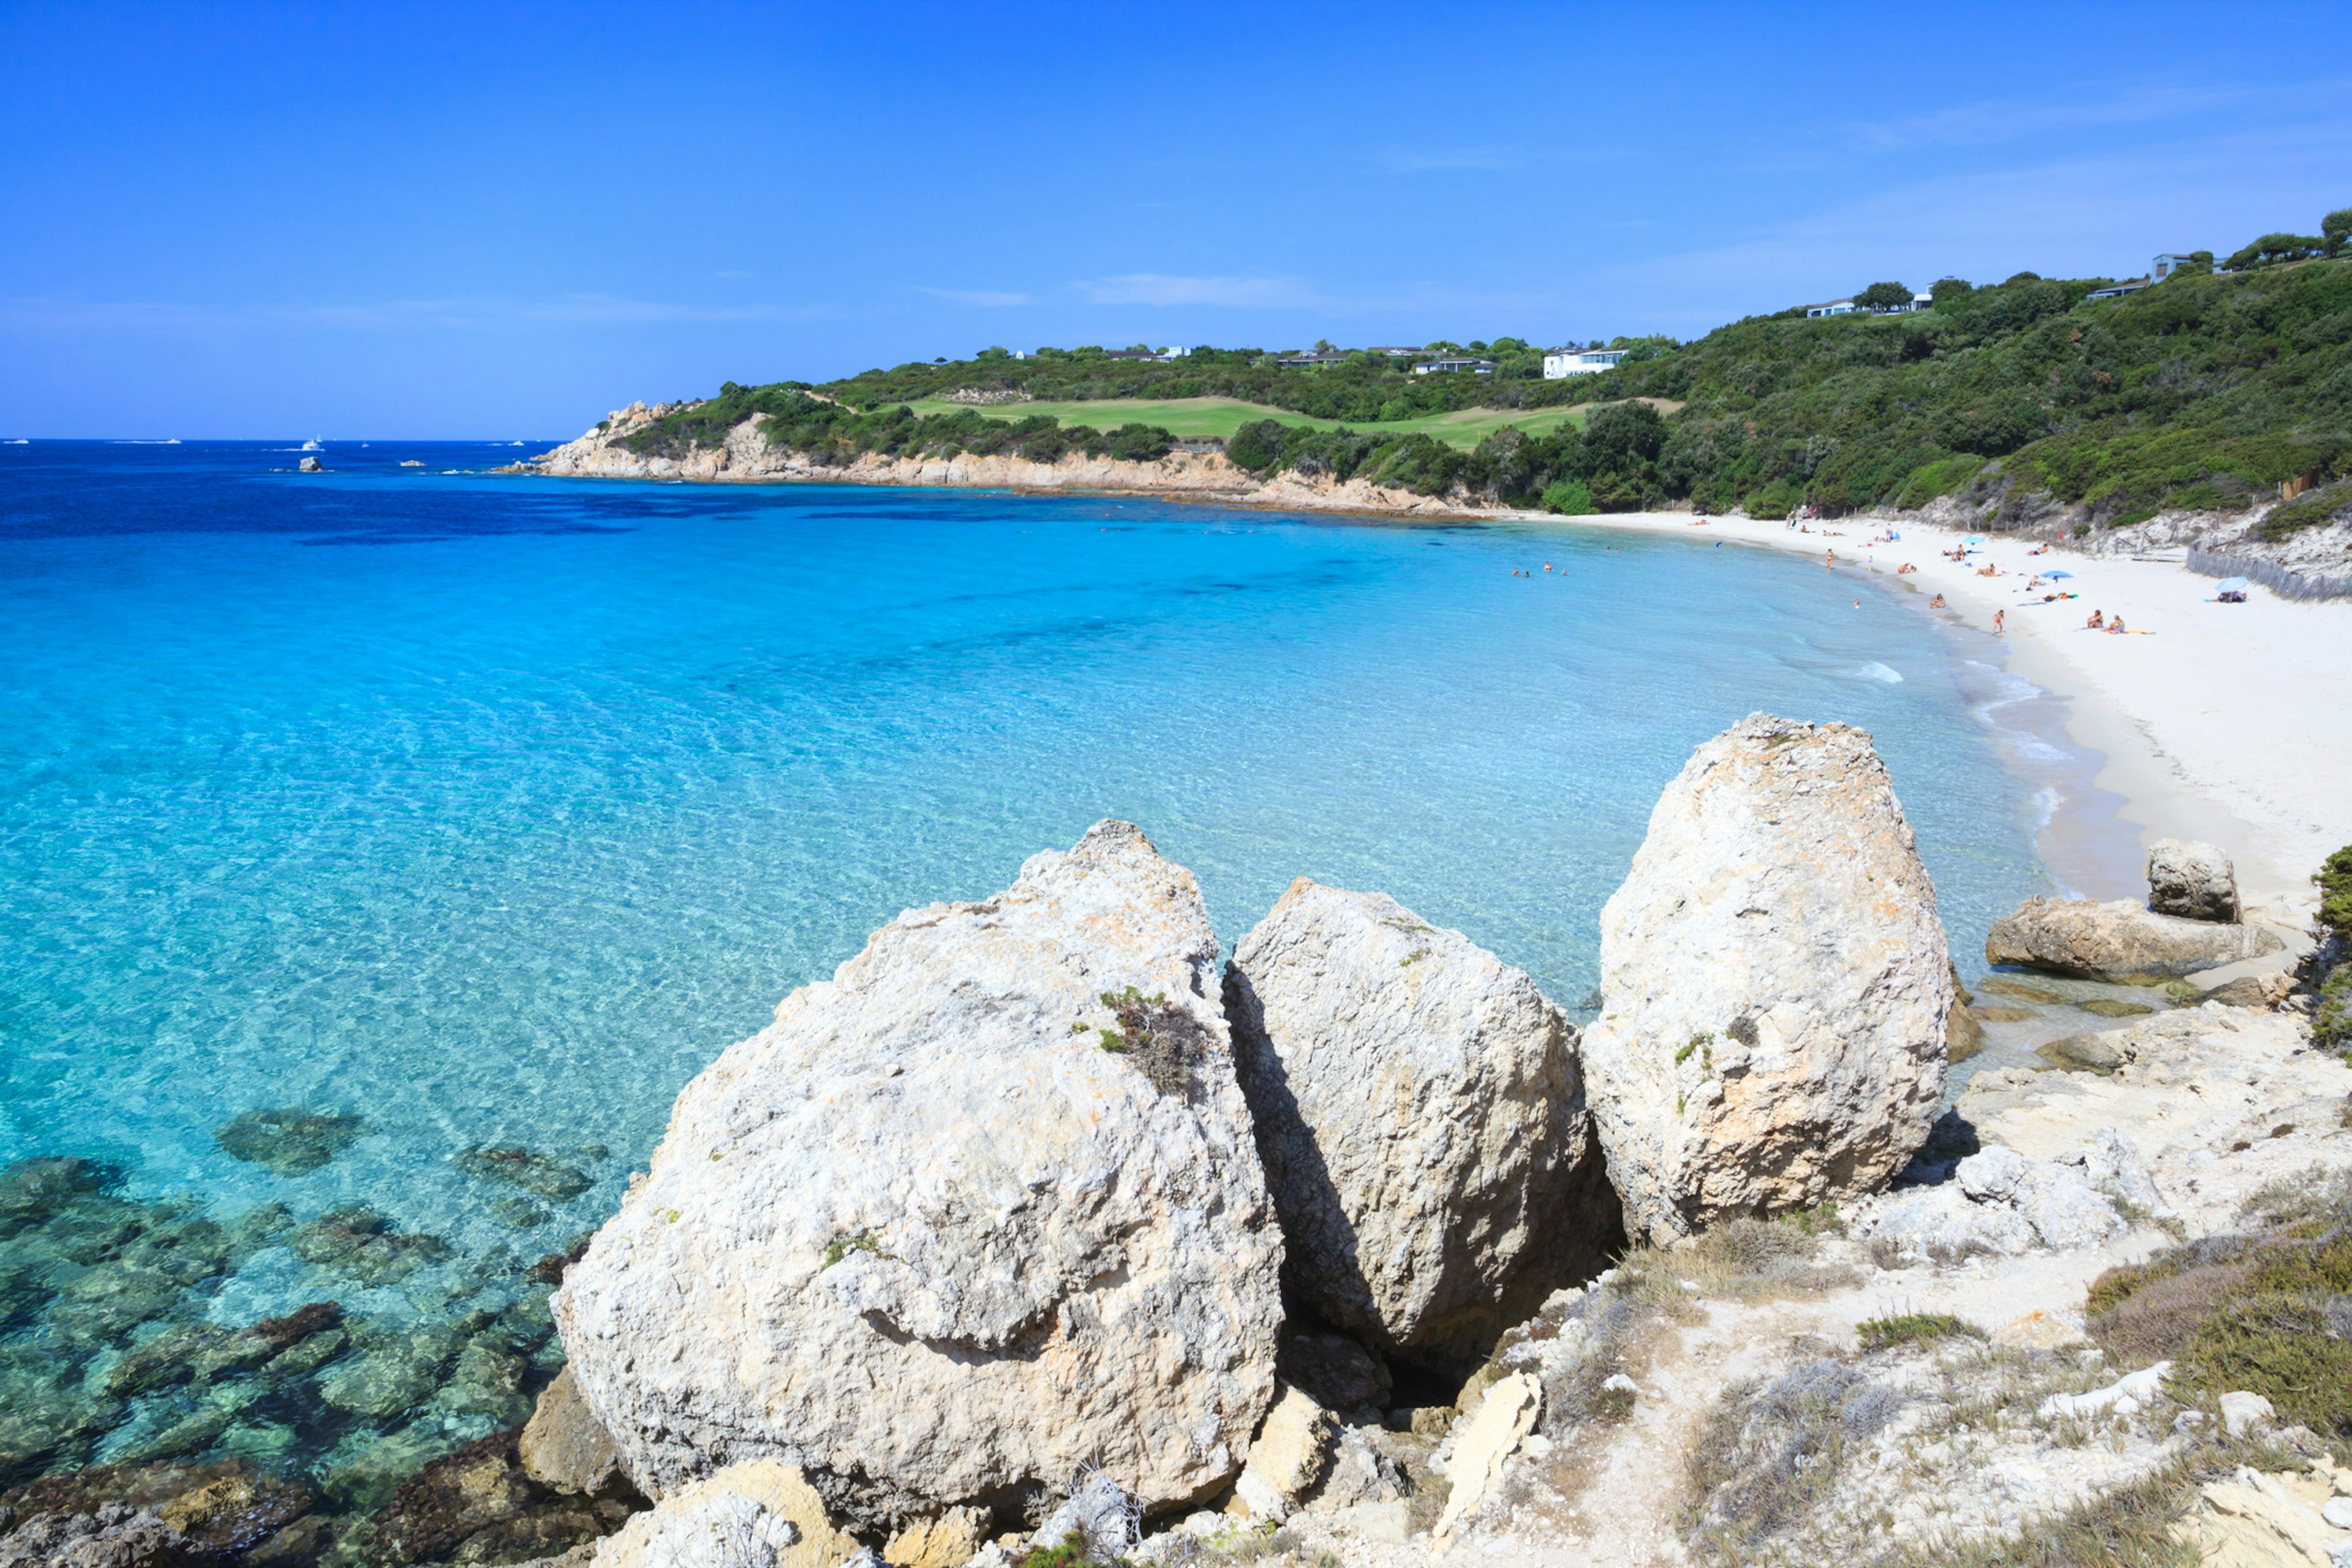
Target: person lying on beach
x=1937, y=603
x=1988, y=570
x=2098, y=618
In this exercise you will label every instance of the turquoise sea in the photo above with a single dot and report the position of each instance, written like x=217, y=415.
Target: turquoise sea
x=479, y=812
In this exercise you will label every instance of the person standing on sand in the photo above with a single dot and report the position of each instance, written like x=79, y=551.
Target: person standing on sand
x=1998, y=616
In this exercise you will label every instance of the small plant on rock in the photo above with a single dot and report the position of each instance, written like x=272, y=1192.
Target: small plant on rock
x=1166, y=1043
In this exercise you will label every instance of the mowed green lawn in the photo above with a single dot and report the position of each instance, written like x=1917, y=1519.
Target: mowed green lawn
x=1221, y=417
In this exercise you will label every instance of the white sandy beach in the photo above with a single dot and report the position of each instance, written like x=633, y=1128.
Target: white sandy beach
x=2227, y=723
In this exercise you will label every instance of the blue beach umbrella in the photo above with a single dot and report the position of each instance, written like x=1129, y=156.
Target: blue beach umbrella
x=2057, y=573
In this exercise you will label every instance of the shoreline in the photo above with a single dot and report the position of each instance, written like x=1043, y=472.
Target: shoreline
x=2226, y=730
x=2230, y=732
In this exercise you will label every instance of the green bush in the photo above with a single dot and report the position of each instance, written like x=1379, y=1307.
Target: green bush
x=1569, y=498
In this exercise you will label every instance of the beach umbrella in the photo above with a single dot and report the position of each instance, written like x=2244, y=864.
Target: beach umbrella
x=1973, y=539
x=2057, y=573
x=2232, y=585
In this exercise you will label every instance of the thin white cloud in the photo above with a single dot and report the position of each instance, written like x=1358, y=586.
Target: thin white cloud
x=981, y=299
x=1984, y=125
x=1167, y=289
x=1445, y=159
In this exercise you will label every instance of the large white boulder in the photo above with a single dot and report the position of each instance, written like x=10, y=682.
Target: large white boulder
x=979, y=1210
x=1420, y=1113
x=1775, y=984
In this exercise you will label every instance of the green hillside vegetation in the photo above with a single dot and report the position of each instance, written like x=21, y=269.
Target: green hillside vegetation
x=2207, y=391
x=1216, y=418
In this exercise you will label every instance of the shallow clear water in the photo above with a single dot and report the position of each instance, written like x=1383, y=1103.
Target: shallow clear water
x=487, y=809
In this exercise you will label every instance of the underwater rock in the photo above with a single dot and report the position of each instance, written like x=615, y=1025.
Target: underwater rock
x=32, y=1190
x=486, y=1383
x=288, y=1139
x=363, y=1247
x=368, y=1466
x=214, y=1512
x=2108, y=1007
x=115, y=1537
x=520, y=1213
x=395, y=1370
x=46, y=1416
x=478, y=1506
x=540, y=1174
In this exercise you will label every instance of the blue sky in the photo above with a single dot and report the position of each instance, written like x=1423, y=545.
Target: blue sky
x=503, y=221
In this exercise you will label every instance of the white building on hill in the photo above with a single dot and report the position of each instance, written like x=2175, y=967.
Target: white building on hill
x=1560, y=364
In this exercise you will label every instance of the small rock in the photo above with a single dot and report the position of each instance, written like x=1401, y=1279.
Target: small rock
x=949, y=1539
x=2108, y=1007
x=762, y=1510
x=2134, y=1391
x=2039, y=1330
x=1101, y=1518
x=2002, y=985
x=563, y=1448
x=2193, y=881
x=310, y=466
x=2261, y=992
x=2337, y=1511
x=1287, y=1460
x=1989, y=1014
x=1483, y=1448
x=2081, y=1053
x=2242, y=1412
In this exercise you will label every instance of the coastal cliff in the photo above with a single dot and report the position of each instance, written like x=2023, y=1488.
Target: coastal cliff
x=747, y=456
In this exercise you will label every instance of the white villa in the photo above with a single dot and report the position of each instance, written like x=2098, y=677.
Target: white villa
x=1560, y=364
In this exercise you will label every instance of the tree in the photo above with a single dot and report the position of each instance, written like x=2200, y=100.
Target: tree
x=1325, y=346
x=2337, y=227
x=1884, y=297
x=2276, y=248
x=1950, y=292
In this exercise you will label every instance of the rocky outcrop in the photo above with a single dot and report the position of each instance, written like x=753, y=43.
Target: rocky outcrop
x=1421, y=1114
x=747, y=456
x=1776, y=986
x=2192, y=881
x=982, y=1208
x=2116, y=941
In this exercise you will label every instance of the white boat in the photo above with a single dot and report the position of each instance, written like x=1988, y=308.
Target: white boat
x=311, y=446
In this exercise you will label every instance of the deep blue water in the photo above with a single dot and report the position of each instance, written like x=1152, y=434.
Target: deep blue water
x=487, y=809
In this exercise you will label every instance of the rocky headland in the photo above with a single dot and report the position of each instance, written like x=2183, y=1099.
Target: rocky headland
x=1036, y=1235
